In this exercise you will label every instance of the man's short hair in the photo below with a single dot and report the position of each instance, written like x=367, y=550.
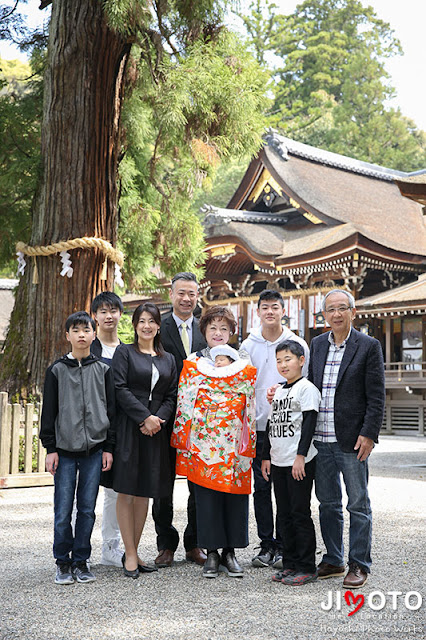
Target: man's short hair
x=351, y=299
x=107, y=299
x=79, y=318
x=185, y=275
x=270, y=294
x=291, y=345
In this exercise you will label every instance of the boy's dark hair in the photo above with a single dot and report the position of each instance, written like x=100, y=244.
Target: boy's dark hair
x=109, y=299
x=291, y=345
x=154, y=311
x=185, y=275
x=77, y=318
x=270, y=294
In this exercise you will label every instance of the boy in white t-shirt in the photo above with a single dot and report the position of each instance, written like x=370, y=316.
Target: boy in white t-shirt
x=107, y=309
x=289, y=457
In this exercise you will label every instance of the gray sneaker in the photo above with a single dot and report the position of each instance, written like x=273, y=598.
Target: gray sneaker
x=264, y=558
x=278, y=560
x=63, y=574
x=82, y=573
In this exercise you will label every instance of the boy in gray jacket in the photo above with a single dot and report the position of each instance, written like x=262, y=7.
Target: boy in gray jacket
x=77, y=431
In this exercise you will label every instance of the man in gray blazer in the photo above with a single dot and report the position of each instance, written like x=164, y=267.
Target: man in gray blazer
x=347, y=367
x=180, y=336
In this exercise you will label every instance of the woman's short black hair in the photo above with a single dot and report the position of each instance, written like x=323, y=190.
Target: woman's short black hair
x=154, y=311
x=291, y=345
x=217, y=312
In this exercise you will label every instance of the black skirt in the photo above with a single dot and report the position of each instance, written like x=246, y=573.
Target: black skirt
x=222, y=519
x=141, y=463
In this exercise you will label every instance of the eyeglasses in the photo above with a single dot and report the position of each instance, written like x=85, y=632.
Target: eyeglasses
x=341, y=309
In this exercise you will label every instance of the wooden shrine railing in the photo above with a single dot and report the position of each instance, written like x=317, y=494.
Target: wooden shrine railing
x=22, y=456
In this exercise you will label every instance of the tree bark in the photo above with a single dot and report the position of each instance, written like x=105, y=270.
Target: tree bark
x=77, y=194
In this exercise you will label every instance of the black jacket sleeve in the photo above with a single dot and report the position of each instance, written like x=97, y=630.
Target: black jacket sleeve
x=266, y=451
x=168, y=406
x=307, y=432
x=49, y=411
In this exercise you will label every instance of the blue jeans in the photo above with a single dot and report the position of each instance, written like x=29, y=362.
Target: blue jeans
x=66, y=547
x=331, y=461
x=262, y=500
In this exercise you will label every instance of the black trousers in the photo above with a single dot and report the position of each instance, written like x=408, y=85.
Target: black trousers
x=222, y=519
x=162, y=513
x=262, y=501
x=293, y=498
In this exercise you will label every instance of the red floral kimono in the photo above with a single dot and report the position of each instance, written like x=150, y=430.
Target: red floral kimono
x=215, y=428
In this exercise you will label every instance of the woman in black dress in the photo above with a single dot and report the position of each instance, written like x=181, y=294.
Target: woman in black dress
x=146, y=388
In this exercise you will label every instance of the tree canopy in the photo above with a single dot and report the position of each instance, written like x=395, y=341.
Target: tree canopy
x=20, y=119
x=331, y=88
x=194, y=98
x=141, y=102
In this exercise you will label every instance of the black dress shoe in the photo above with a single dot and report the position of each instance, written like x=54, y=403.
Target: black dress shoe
x=146, y=568
x=129, y=574
x=211, y=566
x=229, y=564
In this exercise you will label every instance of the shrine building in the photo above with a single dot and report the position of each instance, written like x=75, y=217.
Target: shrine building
x=305, y=221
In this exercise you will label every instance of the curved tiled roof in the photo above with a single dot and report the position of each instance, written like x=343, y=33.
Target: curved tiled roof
x=265, y=240
x=284, y=146
x=373, y=206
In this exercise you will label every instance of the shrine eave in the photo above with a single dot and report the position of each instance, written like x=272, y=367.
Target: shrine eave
x=329, y=190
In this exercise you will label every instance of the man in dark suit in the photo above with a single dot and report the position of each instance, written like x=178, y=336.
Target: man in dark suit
x=347, y=367
x=180, y=336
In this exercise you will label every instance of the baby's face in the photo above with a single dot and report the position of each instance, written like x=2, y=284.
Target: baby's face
x=222, y=361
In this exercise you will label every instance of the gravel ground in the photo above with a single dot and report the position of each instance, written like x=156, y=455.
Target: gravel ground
x=178, y=604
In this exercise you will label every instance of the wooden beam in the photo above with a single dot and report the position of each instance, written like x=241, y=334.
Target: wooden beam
x=20, y=480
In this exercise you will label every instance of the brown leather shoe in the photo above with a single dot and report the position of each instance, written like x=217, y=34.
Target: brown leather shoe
x=164, y=558
x=326, y=570
x=196, y=555
x=355, y=577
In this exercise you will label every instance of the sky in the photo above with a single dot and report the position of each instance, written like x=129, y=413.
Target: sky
x=407, y=18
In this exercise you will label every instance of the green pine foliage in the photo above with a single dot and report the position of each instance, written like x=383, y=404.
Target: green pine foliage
x=195, y=102
x=125, y=330
x=20, y=120
x=331, y=88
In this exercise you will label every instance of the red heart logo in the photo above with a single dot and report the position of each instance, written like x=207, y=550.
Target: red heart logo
x=350, y=599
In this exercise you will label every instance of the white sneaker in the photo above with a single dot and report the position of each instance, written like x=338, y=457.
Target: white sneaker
x=111, y=556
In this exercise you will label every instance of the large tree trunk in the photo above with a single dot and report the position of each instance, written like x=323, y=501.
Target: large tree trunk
x=77, y=195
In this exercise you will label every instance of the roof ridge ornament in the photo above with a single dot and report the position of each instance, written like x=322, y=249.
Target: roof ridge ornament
x=211, y=214
x=274, y=140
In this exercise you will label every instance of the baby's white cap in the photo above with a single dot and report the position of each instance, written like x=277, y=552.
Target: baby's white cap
x=224, y=350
